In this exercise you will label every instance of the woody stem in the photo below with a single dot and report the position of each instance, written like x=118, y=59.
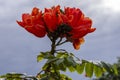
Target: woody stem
x=53, y=47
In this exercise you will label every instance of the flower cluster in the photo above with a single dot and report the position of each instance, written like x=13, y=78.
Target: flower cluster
x=69, y=23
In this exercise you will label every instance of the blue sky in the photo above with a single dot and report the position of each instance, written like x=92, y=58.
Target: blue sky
x=18, y=48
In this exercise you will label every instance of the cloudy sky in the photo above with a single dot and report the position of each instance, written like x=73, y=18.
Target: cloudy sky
x=18, y=48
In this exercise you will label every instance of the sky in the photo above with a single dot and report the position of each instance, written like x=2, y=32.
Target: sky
x=18, y=48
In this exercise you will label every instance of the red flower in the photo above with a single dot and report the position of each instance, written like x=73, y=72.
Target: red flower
x=70, y=23
x=80, y=25
x=77, y=43
x=52, y=18
x=33, y=23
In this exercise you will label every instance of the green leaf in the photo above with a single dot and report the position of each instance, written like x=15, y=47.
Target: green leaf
x=51, y=60
x=45, y=66
x=64, y=77
x=71, y=61
x=89, y=69
x=98, y=71
x=12, y=76
x=115, y=69
x=44, y=55
x=59, y=61
x=62, y=67
x=80, y=68
x=61, y=54
x=40, y=57
x=44, y=78
x=71, y=69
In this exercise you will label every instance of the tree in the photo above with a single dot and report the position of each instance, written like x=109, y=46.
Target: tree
x=60, y=26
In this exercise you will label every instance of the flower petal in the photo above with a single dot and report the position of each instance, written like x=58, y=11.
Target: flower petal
x=78, y=42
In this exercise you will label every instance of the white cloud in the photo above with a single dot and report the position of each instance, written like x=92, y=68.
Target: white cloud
x=112, y=5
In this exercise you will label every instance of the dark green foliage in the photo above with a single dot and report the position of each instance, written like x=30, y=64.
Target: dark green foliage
x=113, y=73
x=63, y=61
x=17, y=76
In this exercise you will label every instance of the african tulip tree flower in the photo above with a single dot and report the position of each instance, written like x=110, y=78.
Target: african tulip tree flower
x=80, y=25
x=33, y=23
x=52, y=18
x=69, y=23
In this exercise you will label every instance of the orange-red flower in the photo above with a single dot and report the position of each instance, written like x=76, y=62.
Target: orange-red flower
x=80, y=25
x=77, y=43
x=70, y=23
x=33, y=23
x=52, y=18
